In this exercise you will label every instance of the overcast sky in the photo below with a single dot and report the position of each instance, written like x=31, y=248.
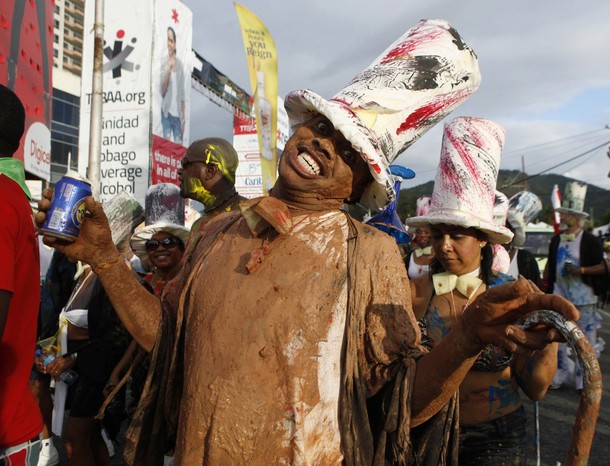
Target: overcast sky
x=545, y=68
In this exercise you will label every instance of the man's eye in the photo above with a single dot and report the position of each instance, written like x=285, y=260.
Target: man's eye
x=323, y=127
x=349, y=155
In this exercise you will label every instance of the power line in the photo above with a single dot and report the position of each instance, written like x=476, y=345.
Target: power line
x=558, y=165
x=544, y=160
x=526, y=148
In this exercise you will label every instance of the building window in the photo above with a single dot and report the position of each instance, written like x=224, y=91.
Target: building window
x=64, y=132
x=56, y=23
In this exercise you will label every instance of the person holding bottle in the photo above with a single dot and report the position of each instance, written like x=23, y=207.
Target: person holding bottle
x=94, y=340
x=572, y=249
x=90, y=341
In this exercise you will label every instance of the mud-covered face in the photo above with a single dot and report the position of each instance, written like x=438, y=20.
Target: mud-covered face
x=458, y=249
x=318, y=162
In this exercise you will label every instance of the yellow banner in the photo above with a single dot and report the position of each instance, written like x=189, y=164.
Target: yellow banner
x=262, y=66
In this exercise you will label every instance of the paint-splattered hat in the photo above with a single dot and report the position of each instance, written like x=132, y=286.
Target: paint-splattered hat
x=409, y=88
x=500, y=210
x=164, y=212
x=124, y=213
x=422, y=205
x=523, y=208
x=573, y=199
x=465, y=185
x=501, y=259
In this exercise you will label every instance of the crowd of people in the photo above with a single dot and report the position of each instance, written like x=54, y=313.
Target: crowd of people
x=280, y=330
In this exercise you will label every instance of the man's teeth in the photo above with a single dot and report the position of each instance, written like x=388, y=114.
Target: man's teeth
x=308, y=163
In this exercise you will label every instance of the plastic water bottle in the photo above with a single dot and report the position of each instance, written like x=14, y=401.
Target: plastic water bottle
x=68, y=376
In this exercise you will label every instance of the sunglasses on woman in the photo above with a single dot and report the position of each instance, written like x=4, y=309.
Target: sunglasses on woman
x=167, y=243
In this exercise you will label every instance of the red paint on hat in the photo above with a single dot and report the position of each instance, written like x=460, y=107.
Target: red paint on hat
x=403, y=50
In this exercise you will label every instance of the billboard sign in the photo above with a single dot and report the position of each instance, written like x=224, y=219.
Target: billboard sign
x=124, y=157
x=26, y=62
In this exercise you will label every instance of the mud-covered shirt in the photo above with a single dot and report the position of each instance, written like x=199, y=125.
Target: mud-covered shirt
x=262, y=350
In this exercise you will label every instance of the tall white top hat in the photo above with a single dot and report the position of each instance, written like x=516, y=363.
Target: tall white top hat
x=410, y=87
x=124, y=214
x=164, y=212
x=573, y=199
x=523, y=208
x=422, y=205
x=465, y=185
x=163, y=203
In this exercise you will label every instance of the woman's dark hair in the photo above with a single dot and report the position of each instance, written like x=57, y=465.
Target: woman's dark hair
x=171, y=29
x=487, y=258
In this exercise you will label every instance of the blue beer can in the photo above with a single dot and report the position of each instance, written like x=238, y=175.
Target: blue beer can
x=67, y=211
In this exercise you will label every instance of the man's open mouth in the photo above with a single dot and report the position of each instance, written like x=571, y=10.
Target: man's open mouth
x=308, y=164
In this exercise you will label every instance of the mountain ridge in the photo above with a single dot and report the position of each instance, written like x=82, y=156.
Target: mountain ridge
x=597, y=201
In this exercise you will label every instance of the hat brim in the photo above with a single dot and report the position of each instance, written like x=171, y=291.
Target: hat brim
x=518, y=225
x=563, y=210
x=304, y=104
x=139, y=238
x=495, y=234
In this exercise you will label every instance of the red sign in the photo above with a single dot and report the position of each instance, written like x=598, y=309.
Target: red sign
x=166, y=156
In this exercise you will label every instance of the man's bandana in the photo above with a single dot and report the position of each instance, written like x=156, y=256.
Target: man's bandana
x=13, y=169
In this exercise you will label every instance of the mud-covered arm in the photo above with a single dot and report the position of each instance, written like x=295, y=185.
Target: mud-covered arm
x=139, y=310
x=440, y=372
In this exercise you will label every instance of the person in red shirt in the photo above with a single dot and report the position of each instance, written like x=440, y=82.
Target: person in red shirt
x=20, y=419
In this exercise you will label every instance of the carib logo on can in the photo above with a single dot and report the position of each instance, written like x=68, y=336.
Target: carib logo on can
x=67, y=211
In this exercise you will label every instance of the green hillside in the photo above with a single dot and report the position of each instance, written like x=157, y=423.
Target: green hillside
x=597, y=202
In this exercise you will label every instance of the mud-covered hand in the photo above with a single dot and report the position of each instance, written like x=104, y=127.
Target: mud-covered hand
x=492, y=316
x=94, y=243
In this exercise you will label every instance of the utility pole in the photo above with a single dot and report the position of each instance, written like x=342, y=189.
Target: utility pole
x=95, y=124
x=524, y=184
